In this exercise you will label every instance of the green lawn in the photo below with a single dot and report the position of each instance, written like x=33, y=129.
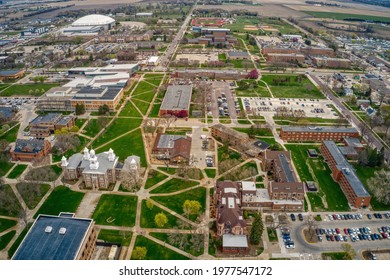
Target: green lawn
x=154, y=78
x=141, y=105
x=269, y=140
x=174, y=185
x=79, y=122
x=344, y=16
x=143, y=87
x=279, y=24
x=154, y=177
x=364, y=173
x=116, y=210
x=251, y=88
x=147, y=217
x=211, y=172
x=6, y=238
x=169, y=170
x=335, y=256
x=24, y=89
x=157, y=251
x=17, y=171
x=94, y=126
x=147, y=96
x=272, y=235
x=62, y=199
x=11, y=135
x=292, y=87
x=129, y=111
x=241, y=21
x=116, y=129
x=155, y=110
x=6, y=224
x=130, y=144
x=33, y=193
x=115, y=236
x=189, y=248
x=10, y=204
x=256, y=131
x=175, y=202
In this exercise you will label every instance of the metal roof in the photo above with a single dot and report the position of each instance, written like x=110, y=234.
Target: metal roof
x=45, y=242
x=93, y=20
x=177, y=97
x=318, y=129
x=287, y=169
x=230, y=240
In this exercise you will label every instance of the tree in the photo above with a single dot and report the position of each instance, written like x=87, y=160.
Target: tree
x=104, y=109
x=139, y=253
x=311, y=225
x=347, y=248
x=191, y=207
x=80, y=109
x=256, y=230
x=379, y=185
x=254, y=74
x=160, y=220
x=308, y=42
x=149, y=204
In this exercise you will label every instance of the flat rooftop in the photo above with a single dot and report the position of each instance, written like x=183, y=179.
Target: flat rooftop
x=103, y=93
x=177, y=97
x=44, y=241
x=319, y=129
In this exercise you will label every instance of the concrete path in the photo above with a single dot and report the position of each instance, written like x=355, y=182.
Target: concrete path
x=88, y=204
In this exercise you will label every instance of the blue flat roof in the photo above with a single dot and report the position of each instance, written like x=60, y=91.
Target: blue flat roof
x=42, y=245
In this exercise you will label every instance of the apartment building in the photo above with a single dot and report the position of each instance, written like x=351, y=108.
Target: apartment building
x=30, y=149
x=229, y=135
x=45, y=125
x=345, y=175
x=308, y=133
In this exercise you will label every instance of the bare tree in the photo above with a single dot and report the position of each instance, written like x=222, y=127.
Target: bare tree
x=311, y=225
x=130, y=178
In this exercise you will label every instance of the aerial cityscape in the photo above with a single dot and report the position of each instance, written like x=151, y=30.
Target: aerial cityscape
x=194, y=130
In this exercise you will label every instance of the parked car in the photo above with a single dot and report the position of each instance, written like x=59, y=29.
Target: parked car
x=293, y=217
x=300, y=217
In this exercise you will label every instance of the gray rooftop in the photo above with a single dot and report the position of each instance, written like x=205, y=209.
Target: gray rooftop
x=238, y=54
x=104, y=93
x=9, y=72
x=167, y=141
x=77, y=161
x=177, y=97
x=29, y=146
x=42, y=245
x=287, y=170
x=49, y=118
x=348, y=150
x=353, y=142
x=64, y=120
x=350, y=174
x=319, y=129
x=230, y=240
x=335, y=152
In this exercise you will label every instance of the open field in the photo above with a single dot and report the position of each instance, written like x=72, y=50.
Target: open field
x=17, y=171
x=6, y=238
x=154, y=177
x=174, y=185
x=115, y=236
x=147, y=217
x=94, y=126
x=27, y=89
x=33, y=193
x=116, y=210
x=343, y=16
x=62, y=199
x=6, y=224
x=11, y=206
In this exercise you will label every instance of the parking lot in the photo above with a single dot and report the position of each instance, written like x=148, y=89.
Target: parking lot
x=316, y=108
x=361, y=232
x=224, y=102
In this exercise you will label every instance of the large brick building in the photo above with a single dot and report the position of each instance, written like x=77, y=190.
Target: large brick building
x=175, y=148
x=44, y=125
x=213, y=37
x=210, y=74
x=229, y=135
x=62, y=237
x=228, y=211
x=176, y=101
x=11, y=74
x=307, y=133
x=30, y=150
x=288, y=58
x=345, y=175
x=330, y=62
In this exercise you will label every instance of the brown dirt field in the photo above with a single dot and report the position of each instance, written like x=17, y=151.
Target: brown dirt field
x=384, y=13
x=251, y=28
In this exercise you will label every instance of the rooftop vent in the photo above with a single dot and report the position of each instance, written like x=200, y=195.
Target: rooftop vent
x=48, y=229
x=62, y=230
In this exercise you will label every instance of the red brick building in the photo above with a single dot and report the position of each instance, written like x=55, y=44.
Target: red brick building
x=30, y=150
x=307, y=133
x=345, y=175
x=11, y=74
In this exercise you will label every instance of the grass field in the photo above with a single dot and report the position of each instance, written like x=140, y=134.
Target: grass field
x=175, y=202
x=292, y=87
x=169, y=170
x=211, y=172
x=11, y=135
x=129, y=111
x=335, y=256
x=141, y=105
x=157, y=251
x=18, y=240
x=10, y=204
x=241, y=21
x=6, y=224
x=189, y=248
x=147, y=217
x=116, y=129
x=115, y=236
x=17, y=171
x=365, y=173
x=342, y=16
x=19, y=89
x=130, y=144
x=174, y=185
x=62, y=199
x=33, y=194
x=257, y=131
x=154, y=177
x=116, y=210
x=93, y=127
x=6, y=238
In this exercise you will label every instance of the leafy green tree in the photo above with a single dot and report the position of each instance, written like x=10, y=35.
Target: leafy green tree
x=149, y=204
x=161, y=220
x=104, y=109
x=80, y=109
x=256, y=230
x=139, y=253
x=191, y=207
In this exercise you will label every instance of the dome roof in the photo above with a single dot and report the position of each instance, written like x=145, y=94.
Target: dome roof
x=92, y=20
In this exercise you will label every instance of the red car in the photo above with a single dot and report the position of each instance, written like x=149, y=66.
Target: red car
x=332, y=237
x=346, y=231
x=337, y=231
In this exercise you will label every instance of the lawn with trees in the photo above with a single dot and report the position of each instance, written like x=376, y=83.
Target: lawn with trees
x=156, y=251
x=174, y=185
x=154, y=177
x=17, y=171
x=32, y=193
x=9, y=204
x=148, y=213
x=190, y=243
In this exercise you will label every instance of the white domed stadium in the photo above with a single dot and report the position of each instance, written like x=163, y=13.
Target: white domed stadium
x=90, y=24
